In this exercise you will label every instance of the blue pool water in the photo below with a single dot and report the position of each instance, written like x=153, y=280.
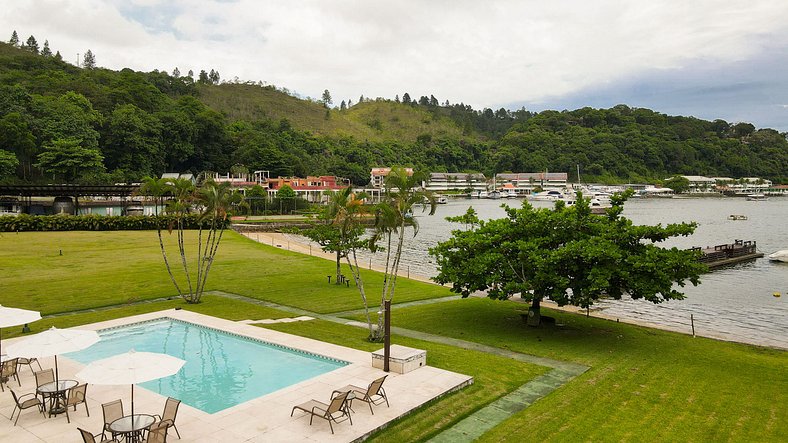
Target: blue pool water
x=221, y=370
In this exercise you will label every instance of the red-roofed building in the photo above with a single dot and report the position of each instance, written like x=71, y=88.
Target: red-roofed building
x=378, y=176
x=311, y=188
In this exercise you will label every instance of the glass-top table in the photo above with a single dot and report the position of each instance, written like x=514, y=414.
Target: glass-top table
x=132, y=426
x=56, y=391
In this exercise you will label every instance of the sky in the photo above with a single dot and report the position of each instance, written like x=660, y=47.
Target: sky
x=709, y=59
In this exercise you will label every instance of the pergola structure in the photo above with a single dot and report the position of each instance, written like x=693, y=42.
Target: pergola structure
x=25, y=193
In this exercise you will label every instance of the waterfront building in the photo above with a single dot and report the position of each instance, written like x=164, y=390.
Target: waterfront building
x=699, y=184
x=312, y=188
x=455, y=181
x=524, y=183
x=378, y=175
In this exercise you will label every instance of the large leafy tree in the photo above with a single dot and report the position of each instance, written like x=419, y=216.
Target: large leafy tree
x=394, y=216
x=15, y=136
x=566, y=254
x=70, y=159
x=134, y=138
x=8, y=163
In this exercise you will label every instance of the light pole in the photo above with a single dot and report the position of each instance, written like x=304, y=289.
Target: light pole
x=387, y=336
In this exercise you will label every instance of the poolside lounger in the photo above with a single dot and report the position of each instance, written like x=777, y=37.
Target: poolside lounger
x=337, y=411
x=167, y=417
x=372, y=394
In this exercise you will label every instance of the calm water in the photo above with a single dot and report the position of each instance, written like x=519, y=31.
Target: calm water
x=734, y=303
x=221, y=370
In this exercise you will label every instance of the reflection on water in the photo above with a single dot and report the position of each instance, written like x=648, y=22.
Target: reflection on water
x=735, y=303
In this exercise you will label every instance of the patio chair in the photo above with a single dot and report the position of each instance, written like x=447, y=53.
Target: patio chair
x=29, y=363
x=42, y=378
x=7, y=371
x=75, y=396
x=158, y=433
x=23, y=402
x=374, y=394
x=112, y=411
x=167, y=417
x=327, y=412
x=87, y=437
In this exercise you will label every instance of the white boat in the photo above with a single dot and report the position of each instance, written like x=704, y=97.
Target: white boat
x=510, y=194
x=483, y=194
x=494, y=195
x=780, y=256
x=550, y=195
x=756, y=197
x=441, y=199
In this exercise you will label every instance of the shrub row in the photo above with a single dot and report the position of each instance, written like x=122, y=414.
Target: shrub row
x=24, y=222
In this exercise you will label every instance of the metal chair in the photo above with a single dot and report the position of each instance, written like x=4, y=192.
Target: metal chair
x=168, y=416
x=112, y=411
x=7, y=371
x=158, y=434
x=21, y=403
x=29, y=363
x=77, y=395
x=44, y=377
x=87, y=437
x=372, y=395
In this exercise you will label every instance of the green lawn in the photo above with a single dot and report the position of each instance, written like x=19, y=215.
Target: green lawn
x=643, y=384
x=106, y=268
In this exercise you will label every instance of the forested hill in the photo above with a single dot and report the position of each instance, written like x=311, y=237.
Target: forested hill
x=93, y=125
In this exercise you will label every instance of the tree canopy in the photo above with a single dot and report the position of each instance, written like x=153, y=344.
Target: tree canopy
x=567, y=255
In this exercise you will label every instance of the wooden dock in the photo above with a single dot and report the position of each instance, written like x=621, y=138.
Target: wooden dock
x=728, y=254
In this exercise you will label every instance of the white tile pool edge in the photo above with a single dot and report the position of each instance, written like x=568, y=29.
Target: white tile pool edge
x=323, y=349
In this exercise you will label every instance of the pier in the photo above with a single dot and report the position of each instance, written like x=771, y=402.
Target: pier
x=728, y=254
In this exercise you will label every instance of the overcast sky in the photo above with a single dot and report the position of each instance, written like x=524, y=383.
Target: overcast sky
x=711, y=59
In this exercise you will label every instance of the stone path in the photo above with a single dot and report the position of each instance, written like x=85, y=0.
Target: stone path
x=469, y=428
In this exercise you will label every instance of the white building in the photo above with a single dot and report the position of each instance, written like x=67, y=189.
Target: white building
x=455, y=181
x=525, y=182
x=378, y=176
x=699, y=184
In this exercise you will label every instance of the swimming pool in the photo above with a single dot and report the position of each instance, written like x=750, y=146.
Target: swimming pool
x=221, y=370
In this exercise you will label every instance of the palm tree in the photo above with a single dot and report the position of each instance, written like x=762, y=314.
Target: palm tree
x=393, y=216
x=157, y=188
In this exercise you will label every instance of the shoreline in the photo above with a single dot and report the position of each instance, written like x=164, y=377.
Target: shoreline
x=286, y=241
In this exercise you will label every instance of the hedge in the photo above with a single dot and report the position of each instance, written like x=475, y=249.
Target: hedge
x=25, y=222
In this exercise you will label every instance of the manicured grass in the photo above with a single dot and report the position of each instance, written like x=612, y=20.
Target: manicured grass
x=494, y=377
x=106, y=268
x=211, y=305
x=643, y=384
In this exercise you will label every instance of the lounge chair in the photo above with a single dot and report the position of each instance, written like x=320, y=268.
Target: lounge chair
x=7, y=371
x=44, y=377
x=112, y=411
x=372, y=394
x=158, y=434
x=167, y=417
x=29, y=363
x=327, y=412
x=23, y=402
x=77, y=395
x=87, y=437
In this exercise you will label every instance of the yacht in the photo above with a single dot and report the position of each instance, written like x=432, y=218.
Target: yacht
x=494, y=195
x=441, y=199
x=756, y=197
x=780, y=256
x=483, y=194
x=551, y=195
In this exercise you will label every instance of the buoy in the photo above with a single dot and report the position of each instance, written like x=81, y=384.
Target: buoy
x=777, y=294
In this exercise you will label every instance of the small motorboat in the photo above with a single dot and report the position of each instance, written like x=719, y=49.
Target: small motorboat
x=737, y=217
x=780, y=256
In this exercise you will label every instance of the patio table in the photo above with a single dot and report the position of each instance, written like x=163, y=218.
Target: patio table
x=132, y=426
x=56, y=391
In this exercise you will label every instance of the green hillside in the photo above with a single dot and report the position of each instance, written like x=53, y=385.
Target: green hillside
x=371, y=120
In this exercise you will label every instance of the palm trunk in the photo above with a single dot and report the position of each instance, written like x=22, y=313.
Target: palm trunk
x=182, y=250
x=339, y=266
x=209, y=260
x=167, y=263
x=355, y=270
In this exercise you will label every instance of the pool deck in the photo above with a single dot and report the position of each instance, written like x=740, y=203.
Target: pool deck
x=264, y=419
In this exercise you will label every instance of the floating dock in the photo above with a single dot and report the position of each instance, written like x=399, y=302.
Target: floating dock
x=728, y=254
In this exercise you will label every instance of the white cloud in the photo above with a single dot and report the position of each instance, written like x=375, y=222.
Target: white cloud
x=482, y=53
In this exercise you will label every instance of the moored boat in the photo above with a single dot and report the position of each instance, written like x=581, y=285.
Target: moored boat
x=781, y=255
x=756, y=197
